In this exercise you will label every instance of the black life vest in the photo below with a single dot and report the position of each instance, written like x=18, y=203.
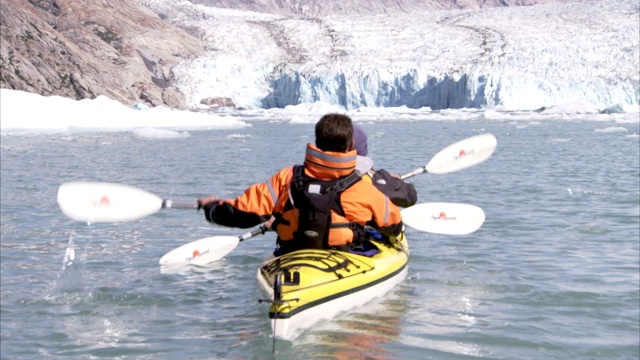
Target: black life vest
x=315, y=199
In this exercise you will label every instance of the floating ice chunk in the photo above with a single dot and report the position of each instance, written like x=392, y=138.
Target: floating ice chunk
x=153, y=133
x=613, y=129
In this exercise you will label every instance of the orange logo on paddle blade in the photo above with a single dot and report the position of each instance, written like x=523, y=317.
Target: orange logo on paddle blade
x=196, y=253
x=104, y=201
x=463, y=153
x=443, y=216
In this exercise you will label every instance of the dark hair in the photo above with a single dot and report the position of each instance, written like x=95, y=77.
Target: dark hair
x=334, y=132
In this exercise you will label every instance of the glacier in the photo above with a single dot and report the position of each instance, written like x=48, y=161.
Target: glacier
x=508, y=58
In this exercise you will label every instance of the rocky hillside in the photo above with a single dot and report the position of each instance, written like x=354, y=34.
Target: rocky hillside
x=121, y=49
x=81, y=49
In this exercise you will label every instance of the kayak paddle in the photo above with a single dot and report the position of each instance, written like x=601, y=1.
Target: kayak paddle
x=207, y=250
x=436, y=218
x=109, y=202
x=461, y=155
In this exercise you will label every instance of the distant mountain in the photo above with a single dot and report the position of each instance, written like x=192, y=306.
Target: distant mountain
x=122, y=49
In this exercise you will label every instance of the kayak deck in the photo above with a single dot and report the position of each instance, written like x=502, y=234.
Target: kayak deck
x=306, y=286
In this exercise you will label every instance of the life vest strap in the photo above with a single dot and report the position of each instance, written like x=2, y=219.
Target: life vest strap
x=344, y=183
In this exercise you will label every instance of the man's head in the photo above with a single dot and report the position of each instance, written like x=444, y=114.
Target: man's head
x=360, y=140
x=334, y=132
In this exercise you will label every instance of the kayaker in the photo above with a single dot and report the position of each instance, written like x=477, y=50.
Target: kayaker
x=321, y=204
x=401, y=193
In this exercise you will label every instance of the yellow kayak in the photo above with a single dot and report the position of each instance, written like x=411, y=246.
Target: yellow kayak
x=306, y=286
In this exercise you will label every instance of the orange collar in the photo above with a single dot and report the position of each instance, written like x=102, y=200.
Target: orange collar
x=328, y=165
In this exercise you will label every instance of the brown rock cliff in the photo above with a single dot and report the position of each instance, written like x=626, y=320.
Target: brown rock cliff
x=82, y=49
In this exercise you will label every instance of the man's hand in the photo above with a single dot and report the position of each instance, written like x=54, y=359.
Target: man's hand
x=206, y=201
x=267, y=224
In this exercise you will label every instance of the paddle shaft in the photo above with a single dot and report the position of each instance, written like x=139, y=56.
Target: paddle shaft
x=415, y=172
x=170, y=204
x=263, y=229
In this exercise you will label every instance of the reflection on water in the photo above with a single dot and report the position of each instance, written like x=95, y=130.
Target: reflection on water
x=364, y=333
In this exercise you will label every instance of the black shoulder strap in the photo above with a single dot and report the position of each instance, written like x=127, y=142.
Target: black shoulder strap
x=344, y=183
x=298, y=176
x=340, y=185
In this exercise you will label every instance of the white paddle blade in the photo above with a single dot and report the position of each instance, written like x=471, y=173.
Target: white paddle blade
x=201, y=252
x=105, y=202
x=463, y=154
x=444, y=218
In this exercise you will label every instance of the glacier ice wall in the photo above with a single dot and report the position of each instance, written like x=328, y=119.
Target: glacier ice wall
x=474, y=90
x=524, y=57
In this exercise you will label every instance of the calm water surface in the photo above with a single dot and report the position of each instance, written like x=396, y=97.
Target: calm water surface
x=552, y=274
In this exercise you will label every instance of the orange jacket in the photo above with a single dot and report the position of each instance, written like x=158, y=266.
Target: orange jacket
x=362, y=202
